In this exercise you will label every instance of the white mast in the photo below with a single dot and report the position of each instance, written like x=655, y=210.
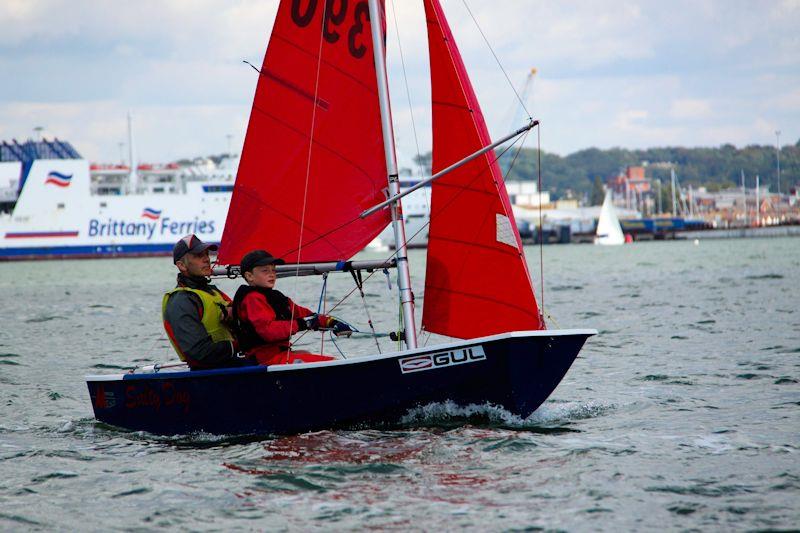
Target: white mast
x=403, y=274
x=778, y=155
x=658, y=185
x=133, y=177
x=674, y=200
x=758, y=201
x=744, y=199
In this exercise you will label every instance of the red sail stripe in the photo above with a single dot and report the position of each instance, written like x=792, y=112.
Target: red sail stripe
x=477, y=282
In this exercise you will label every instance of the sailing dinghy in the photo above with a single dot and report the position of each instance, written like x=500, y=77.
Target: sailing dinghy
x=318, y=180
x=609, y=230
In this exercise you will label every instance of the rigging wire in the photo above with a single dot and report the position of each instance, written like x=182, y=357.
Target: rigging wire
x=320, y=309
x=427, y=339
x=408, y=90
x=519, y=98
x=360, y=284
x=541, y=227
x=308, y=161
x=553, y=320
x=401, y=326
x=478, y=175
x=333, y=340
x=152, y=346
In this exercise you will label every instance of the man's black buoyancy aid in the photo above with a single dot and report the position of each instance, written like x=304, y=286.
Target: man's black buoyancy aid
x=245, y=331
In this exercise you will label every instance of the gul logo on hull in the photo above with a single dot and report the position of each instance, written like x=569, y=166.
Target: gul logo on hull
x=58, y=179
x=431, y=361
x=159, y=227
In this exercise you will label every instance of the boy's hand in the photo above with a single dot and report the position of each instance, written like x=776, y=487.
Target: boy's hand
x=342, y=329
x=309, y=322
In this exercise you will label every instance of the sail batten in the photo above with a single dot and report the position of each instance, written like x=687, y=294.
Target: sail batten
x=313, y=154
x=477, y=281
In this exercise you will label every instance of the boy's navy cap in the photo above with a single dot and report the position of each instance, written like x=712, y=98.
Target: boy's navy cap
x=189, y=244
x=258, y=258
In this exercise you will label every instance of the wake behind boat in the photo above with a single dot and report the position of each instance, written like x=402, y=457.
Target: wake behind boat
x=312, y=189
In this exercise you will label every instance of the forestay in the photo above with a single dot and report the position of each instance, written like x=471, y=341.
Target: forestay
x=317, y=84
x=477, y=282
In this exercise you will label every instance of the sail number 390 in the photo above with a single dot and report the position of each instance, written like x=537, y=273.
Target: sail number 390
x=334, y=13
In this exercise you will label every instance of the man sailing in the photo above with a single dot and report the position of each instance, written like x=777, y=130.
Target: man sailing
x=196, y=314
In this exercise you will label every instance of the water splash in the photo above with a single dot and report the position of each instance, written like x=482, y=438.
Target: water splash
x=550, y=414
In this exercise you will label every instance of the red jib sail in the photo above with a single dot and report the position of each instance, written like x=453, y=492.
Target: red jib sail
x=317, y=84
x=477, y=282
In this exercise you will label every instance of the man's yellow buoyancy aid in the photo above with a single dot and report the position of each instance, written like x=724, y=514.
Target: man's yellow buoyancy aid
x=211, y=319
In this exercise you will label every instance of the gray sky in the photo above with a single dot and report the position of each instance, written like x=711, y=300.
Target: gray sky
x=633, y=74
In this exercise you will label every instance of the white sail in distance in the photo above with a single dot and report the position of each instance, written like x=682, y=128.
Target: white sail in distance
x=609, y=231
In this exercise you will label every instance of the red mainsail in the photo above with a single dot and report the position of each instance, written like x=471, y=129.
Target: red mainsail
x=477, y=282
x=316, y=115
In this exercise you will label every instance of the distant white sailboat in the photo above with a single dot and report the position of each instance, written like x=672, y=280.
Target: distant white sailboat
x=608, y=229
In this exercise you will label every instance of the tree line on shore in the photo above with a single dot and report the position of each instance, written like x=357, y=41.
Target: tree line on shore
x=713, y=168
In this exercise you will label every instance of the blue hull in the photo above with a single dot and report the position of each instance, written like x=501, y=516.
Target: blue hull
x=517, y=371
x=84, y=252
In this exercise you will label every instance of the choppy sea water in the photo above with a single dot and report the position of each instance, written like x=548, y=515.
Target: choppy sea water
x=681, y=414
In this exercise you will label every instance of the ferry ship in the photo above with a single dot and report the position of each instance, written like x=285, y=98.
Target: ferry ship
x=54, y=204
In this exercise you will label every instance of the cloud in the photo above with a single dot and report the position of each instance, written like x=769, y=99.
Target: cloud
x=96, y=128
x=787, y=101
x=690, y=109
x=572, y=35
x=632, y=74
